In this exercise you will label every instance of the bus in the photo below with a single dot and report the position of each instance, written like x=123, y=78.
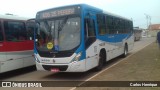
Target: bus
x=137, y=34
x=16, y=42
x=77, y=38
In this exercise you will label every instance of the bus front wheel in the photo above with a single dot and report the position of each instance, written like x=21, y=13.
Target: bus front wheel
x=101, y=61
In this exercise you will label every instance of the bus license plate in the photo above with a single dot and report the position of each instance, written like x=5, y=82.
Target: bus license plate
x=55, y=70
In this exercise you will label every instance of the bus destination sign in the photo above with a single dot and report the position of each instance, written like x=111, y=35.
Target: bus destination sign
x=58, y=12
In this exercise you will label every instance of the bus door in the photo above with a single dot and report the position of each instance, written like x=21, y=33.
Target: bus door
x=90, y=39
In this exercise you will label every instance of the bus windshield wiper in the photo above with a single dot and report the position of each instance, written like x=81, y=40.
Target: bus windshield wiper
x=60, y=26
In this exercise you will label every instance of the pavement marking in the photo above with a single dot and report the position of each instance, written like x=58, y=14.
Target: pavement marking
x=110, y=66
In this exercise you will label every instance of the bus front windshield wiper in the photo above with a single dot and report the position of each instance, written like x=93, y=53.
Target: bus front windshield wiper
x=56, y=33
x=61, y=25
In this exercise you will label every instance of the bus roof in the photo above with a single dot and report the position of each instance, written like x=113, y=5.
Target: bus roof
x=12, y=17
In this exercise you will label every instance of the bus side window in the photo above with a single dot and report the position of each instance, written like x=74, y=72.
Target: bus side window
x=101, y=21
x=30, y=30
x=110, y=24
x=90, y=34
x=1, y=35
x=131, y=26
x=15, y=31
x=90, y=28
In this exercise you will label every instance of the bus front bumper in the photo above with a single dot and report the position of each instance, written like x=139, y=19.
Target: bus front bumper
x=76, y=66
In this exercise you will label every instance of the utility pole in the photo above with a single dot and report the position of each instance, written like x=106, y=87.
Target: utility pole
x=148, y=19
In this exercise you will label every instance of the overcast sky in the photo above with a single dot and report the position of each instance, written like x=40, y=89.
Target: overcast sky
x=135, y=9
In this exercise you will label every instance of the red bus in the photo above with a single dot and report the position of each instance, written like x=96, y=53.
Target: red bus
x=16, y=42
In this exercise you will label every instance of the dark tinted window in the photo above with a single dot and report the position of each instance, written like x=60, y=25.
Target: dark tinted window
x=101, y=20
x=90, y=34
x=110, y=21
x=30, y=30
x=118, y=25
x=15, y=31
x=1, y=35
x=90, y=25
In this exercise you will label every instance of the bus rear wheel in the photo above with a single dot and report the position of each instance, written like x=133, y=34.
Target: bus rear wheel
x=125, y=51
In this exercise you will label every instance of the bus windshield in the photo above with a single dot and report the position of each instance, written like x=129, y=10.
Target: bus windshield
x=60, y=34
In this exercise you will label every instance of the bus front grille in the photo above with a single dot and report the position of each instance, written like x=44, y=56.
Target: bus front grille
x=55, y=55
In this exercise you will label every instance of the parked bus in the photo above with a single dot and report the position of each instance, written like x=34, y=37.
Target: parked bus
x=137, y=34
x=77, y=38
x=16, y=43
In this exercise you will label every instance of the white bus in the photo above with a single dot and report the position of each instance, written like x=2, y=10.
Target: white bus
x=16, y=43
x=77, y=38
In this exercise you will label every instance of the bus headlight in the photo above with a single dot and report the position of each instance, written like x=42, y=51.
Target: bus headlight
x=77, y=57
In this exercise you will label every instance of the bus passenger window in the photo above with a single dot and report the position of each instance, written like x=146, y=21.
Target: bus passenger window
x=101, y=21
x=30, y=30
x=1, y=35
x=15, y=31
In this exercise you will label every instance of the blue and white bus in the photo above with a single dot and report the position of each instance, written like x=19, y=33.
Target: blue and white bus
x=77, y=38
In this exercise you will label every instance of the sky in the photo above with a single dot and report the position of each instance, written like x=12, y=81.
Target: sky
x=137, y=10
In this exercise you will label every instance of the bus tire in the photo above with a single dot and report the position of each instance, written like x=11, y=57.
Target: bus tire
x=101, y=61
x=125, y=51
